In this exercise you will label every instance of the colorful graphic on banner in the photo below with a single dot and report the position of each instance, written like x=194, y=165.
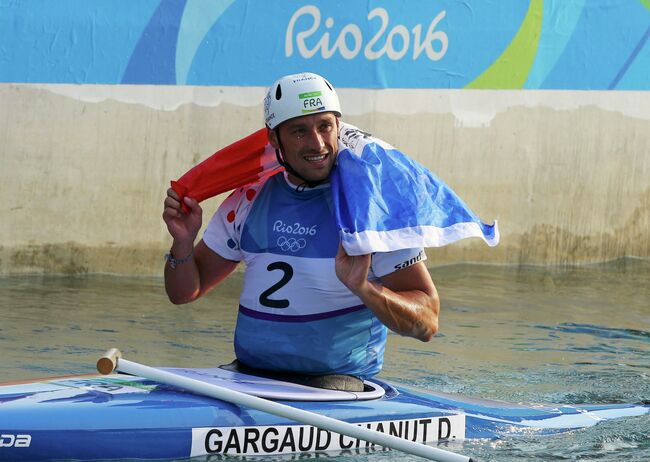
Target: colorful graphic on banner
x=512, y=44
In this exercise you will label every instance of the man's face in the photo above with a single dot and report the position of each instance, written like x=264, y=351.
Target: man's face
x=309, y=145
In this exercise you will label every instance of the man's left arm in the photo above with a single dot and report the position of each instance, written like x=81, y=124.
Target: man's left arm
x=406, y=301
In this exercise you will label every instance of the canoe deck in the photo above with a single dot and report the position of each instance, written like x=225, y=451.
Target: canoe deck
x=126, y=417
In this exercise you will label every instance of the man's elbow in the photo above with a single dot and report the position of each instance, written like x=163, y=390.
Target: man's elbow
x=182, y=299
x=177, y=301
x=430, y=326
x=428, y=332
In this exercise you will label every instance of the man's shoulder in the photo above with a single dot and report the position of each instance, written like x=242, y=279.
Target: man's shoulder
x=249, y=192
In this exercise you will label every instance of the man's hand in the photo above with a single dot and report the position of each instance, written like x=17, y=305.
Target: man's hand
x=182, y=226
x=352, y=271
x=206, y=268
x=406, y=301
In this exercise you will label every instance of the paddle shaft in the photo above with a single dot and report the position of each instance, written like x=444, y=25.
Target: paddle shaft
x=282, y=410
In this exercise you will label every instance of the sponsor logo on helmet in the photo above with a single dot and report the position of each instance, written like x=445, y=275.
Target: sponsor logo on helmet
x=311, y=94
x=311, y=102
x=269, y=116
x=303, y=77
x=267, y=103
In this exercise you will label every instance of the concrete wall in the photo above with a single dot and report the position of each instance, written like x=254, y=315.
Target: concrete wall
x=84, y=169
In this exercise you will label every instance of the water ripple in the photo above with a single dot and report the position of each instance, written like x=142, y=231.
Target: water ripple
x=598, y=331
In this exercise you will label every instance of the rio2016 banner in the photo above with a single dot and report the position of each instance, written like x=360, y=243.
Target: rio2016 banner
x=497, y=44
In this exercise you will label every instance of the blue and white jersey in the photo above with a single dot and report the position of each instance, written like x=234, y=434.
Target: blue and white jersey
x=294, y=313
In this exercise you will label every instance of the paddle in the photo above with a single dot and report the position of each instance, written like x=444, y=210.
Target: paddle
x=113, y=360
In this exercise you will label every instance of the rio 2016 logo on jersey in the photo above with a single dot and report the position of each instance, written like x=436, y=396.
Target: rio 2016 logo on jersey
x=296, y=228
x=291, y=244
x=295, y=241
x=311, y=102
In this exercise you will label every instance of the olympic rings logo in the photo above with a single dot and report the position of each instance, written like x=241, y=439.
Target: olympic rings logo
x=291, y=244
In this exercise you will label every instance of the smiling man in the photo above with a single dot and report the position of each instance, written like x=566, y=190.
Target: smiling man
x=308, y=311
x=307, y=147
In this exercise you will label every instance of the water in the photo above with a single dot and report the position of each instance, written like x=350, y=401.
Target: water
x=524, y=334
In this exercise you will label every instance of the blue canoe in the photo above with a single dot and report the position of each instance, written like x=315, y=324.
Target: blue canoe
x=126, y=417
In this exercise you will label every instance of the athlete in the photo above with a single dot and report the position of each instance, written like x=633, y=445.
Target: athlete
x=306, y=305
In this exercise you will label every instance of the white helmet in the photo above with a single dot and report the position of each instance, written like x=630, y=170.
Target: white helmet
x=298, y=95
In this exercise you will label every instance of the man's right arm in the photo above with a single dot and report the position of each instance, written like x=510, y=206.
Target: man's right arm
x=201, y=268
x=190, y=280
